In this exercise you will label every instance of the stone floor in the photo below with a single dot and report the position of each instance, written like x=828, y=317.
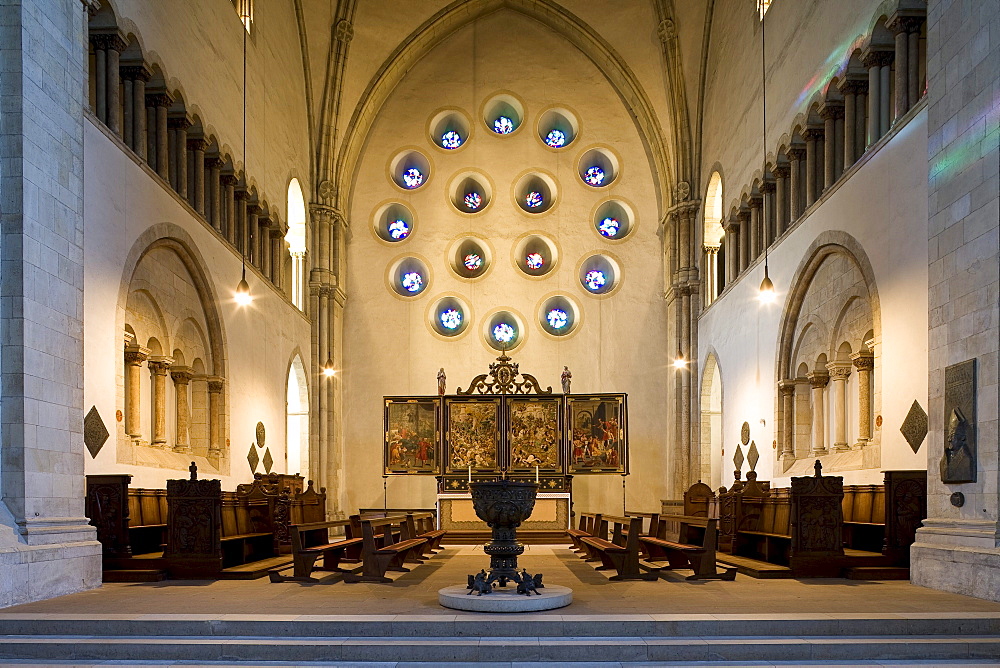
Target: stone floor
x=415, y=593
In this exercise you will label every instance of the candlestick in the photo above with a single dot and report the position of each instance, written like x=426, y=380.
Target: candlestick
x=536, y=475
x=470, y=473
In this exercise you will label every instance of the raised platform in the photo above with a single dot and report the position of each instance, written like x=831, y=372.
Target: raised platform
x=505, y=599
x=527, y=537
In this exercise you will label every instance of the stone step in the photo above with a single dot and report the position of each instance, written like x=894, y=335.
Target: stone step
x=877, y=573
x=135, y=575
x=468, y=649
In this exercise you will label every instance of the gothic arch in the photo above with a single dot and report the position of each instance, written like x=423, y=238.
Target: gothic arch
x=458, y=14
x=709, y=467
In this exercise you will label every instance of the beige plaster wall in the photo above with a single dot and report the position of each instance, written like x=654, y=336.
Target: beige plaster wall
x=389, y=349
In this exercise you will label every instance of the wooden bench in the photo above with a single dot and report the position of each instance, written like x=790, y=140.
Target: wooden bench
x=588, y=526
x=147, y=520
x=766, y=532
x=650, y=521
x=312, y=541
x=864, y=517
x=424, y=525
x=694, y=547
x=621, y=553
x=386, y=545
x=247, y=530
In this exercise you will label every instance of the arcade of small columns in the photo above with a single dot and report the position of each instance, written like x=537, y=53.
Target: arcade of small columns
x=159, y=366
x=857, y=111
x=159, y=131
x=804, y=399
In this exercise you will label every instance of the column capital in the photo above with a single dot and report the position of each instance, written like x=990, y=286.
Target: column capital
x=743, y=215
x=136, y=354
x=196, y=141
x=158, y=364
x=711, y=248
x=755, y=201
x=255, y=209
x=215, y=383
x=796, y=152
x=877, y=57
x=110, y=38
x=839, y=370
x=263, y=219
x=864, y=361
x=135, y=69
x=128, y=337
x=782, y=169
x=732, y=226
x=158, y=98
x=818, y=379
x=831, y=109
x=905, y=21
x=181, y=375
x=813, y=133
x=768, y=186
x=228, y=178
x=214, y=161
x=786, y=386
x=854, y=85
x=91, y=6
x=241, y=191
x=178, y=120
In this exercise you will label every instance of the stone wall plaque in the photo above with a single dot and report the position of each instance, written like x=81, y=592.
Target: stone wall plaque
x=958, y=464
x=745, y=433
x=95, y=434
x=914, y=427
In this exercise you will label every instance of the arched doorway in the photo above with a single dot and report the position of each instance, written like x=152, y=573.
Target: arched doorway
x=710, y=471
x=297, y=424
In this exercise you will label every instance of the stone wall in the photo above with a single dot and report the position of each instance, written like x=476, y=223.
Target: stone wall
x=958, y=548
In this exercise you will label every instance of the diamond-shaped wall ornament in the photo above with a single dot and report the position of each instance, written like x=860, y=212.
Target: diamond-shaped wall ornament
x=914, y=427
x=738, y=458
x=268, y=460
x=253, y=458
x=753, y=456
x=95, y=434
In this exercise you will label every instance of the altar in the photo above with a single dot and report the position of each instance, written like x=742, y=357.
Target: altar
x=548, y=522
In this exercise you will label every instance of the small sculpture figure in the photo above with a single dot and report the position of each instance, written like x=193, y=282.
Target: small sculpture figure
x=442, y=379
x=565, y=378
x=528, y=583
x=479, y=584
x=958, y=463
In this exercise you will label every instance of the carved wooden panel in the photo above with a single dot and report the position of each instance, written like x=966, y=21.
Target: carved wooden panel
x=817, y=515
x=194, y=518
x=108, y=509
x=906, y=507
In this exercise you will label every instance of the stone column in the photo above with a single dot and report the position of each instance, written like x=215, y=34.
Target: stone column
x=108, y=45
x=228, y=182
x=796, y=154
x=906, y=28
x=242, y=229
x=850, y=89
x=159, y=157
x=864, y=362
x=158, y=368
x=215, y=385
x=818, y=381
x=832, y=114
x=134, y=357
x=916, y=84
x=101, y=77
x=743, y=215
x=253, y=229
x=813, y=165
x=264, y=243
x=179, y=124
x=181, y=376
x=878, y=63
x=768, y=215
x=710, y=281
x=136, y=74
x=214, y=164
x=781, y=173
x=732, y=250
x=756, y=227
x=839, y=373
x=196, y=191
x=277, y=245
x=786, y=389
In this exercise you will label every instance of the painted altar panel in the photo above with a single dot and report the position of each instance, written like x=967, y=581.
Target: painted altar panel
x=472, y=433
x=412, y=436
x=598, y=434
x=534, y=433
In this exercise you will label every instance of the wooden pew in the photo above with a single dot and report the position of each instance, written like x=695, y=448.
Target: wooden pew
x=694, y=548
x=650, y=521
x=386, y=545
x=247, y=529
x=588, y=526
x=424, y=525
x=864, y=517
x=733, y=514
x=698, y=500
x=765, y=531
x=312, y=541
x=622, y=551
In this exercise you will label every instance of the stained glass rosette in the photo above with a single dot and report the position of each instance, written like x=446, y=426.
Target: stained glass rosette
x=472, y=261
x=413, y=178
x=503, y=333
x=412, y=282
x=503, y=125
x=473, y=200
x=398, y=230
x=534, y=261
x=533, y=199
x=557, y=318
x=555, y=139
x=595, y=280
x=609, y=227
x=594, y=176
x=451, y=319
x=451, y=140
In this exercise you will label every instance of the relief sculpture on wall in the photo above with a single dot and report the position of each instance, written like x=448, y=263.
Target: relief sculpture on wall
x=958, y=464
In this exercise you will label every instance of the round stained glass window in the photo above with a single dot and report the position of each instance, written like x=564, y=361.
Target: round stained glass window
x=555, y=139
x=594, y=176
x=595, y=280
x=451, y=139
x=503, y=333
x=609, y=227
x=533, y=199
x=503, y=125
x=398, y=229
x=413, y=178
x=451, y=318
x=557, y=318
x=473, y=200
x=472, y=261
x=534, y=261
x=412, y=281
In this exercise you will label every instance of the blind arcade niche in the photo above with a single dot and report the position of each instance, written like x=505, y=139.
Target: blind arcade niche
x=505, y=424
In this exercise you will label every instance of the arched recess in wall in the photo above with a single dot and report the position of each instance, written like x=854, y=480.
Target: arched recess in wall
x=713, y=239
x=296, y=239
x=173, y=378
x=661, y=152
x=827, y=371
x=710, y=471
x=297, y=415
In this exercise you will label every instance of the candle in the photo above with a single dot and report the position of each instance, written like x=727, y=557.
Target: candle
x=470, y=473
x=536, y=474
